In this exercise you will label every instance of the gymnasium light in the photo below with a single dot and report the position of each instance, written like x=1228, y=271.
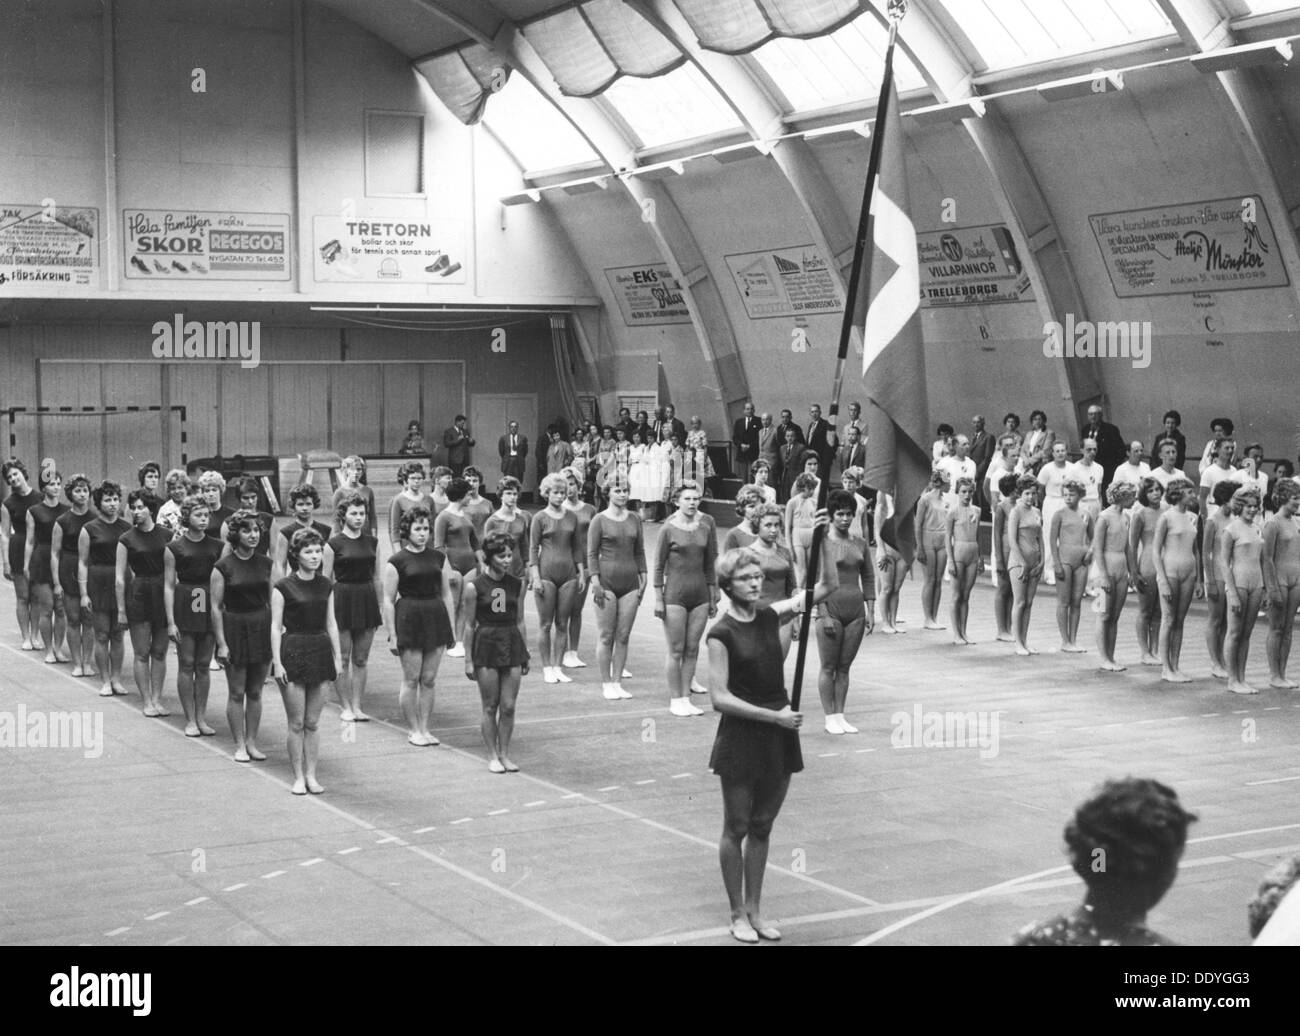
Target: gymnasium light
x=1248, y=55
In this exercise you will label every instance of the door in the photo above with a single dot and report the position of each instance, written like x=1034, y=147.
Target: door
x=489, y=419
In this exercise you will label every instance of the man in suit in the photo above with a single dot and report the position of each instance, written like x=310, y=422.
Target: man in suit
x=981, y=452
x=1111, y=447
x=851, y=454
x=1036, y=450
x=822, y=439
x=787, y=421
x=458, y=442
x=769, y=449
x=855, y=421
x=512, y=448
x=791, y=464
x=626, y=423
x=744, y=437
x=677, y=427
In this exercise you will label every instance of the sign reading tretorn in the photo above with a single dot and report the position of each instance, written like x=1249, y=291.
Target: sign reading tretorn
x=389, y=250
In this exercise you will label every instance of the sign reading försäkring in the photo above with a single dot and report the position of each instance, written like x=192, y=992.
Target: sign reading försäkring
x=48, y=246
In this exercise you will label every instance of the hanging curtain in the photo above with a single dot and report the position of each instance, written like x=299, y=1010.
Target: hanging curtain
x=464, y=79
x=589, y=45
x=739, y=26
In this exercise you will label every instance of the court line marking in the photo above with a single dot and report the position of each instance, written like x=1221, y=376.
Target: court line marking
x=1274, y=780
x=235, y=888
x=161, y=913
x=117, y=931
x=345, y=852
x=273, y=874
x=319, y=803
x=196, y=902
x=497, y=812
x=1013, y=883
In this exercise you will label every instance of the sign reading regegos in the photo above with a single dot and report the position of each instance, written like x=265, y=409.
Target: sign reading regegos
x=166, y=244
x=1222, y=245
x=48, y=246
x=389, y=250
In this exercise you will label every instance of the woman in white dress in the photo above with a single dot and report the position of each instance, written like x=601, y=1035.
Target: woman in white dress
x=638, y=471
x=695, y=462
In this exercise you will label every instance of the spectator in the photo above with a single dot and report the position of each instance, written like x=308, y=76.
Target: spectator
x=626, y=423
x=744, y=438
x=956, y=466
x=1125, y=843
x=1134, y=469
x=982, y=448
x=791, y=465
x=855, y=421
x=414, y=441
x=787, y=421
x=674, y=424
x=512, y=448
x=1111, y=447
x=942, y=444
x=1220, y=428
x=1172, y=420
x=458, y=442
x=1011, y=426
x=850, y=455
x=822, y=439
x=1037, y=447
x=769, y=444
x=559, y=454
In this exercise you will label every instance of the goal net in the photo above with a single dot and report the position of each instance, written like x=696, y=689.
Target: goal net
x=100, y=443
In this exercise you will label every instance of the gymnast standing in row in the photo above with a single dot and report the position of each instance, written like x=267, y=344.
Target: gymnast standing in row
x=47, y=617
x=241, y=626
x=141, y=604
x=188, y=564
x=558, y=564
x=13, y=540
x=356, y=600
x=617, y=575
x=64, y=557
x=97, y=584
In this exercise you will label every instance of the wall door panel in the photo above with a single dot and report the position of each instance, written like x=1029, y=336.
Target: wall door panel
x=299, y=408
x=356, y=407
x=244, y=406
x=401, y=404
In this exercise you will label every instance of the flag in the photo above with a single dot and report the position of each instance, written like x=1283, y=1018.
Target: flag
x=893, y=356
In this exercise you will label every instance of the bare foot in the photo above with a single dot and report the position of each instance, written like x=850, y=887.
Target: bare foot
x=1218, y=672
x=1112, y=667
x=347, y=716
x=1150, y=660
x=255, y=753
x=1006, y=638
x=886, y=629
x=1174, y=676
x=241, y=755
x=1237, y=687
x=495, y=765
x=933, y=626
x=191, y=730
x=360, y=716
x=106, y=691
x=1073, y=649
x=1282, y=683
x=510, y=767
x=299, y=787
x=419, y=740
x=205, y=729
x=1023, y=651
x=314, y=786
x=78, y=671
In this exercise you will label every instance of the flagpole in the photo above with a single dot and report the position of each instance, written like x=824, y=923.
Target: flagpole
x=896, y=10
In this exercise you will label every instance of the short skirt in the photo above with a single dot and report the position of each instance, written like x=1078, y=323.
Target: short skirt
x=190, y=608
x=68, y=574
x=308, y=658
x=499, y=647
x=40, y=567
x=422, y=624
x=101, y=586
x=248, y=636
x=17, y=548
x=144, y=601
x=356, y=607
x=745, y=750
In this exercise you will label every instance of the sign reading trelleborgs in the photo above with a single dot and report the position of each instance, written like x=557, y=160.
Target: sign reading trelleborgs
x=648, y=294
x=970, y=266
x=48, y=246
x=166, y=244
x=785, y=282
x=1222, y=245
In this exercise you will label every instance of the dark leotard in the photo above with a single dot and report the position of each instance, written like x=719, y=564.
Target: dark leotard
x=685, y=563
x=556, y=550
x=305, y=648
x=516, y=527
x=854, y=579
x=18, y=506
x=454, y=534
x=193, y=564
x=144, y=557
x=43, y=518
x=71, y=524
x=616, y=553
x=101, y=563
x=778, y=574
x=246, y=608
x=421, y=617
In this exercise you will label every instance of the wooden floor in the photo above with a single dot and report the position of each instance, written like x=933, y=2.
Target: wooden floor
x=609, y=833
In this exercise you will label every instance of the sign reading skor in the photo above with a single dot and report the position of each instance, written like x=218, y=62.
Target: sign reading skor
x=215, y=246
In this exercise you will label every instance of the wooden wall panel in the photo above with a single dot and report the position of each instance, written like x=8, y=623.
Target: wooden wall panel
x=245, y=423
x=401, y=404
x=356, y=406
x=195, y=387
x=299, y=408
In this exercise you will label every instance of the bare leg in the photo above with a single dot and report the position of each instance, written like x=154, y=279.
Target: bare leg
x=1236, y=648
x=767, y=801
x=506, y=716
x=204, y=646
x=695, y=623
x=737, y=805
x=1281, y=621
x=343, y=682
x=295, y=705
x=408, y=697
x=428, y=676
x=185, y=663
x=489, y=690
x=362, y=641
x=315, y=702
x=1172, y=616
x=849, y=645
x=1216, y=628
x=675, y=617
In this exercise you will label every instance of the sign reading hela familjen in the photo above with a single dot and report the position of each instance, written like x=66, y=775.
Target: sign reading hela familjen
x=48, y=246
x=1222, y=245
x=167, y=244
x=785, y=282
x=970, y=266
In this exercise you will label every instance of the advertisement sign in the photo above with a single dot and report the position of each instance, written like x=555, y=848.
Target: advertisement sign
x=175, y=245
x=785, y=282
x=648, y=294
x=379, y=250
x=970, y=266
x=1222, y=245
x=48, y=246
